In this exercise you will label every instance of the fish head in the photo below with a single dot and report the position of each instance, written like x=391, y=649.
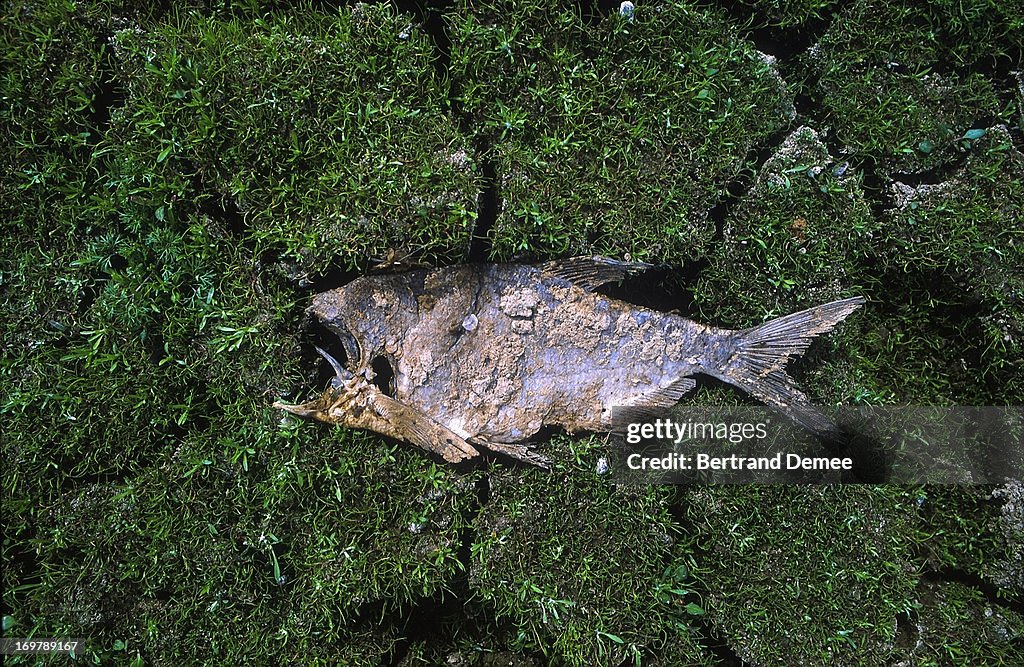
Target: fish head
x=344, y=399
x=366, y=313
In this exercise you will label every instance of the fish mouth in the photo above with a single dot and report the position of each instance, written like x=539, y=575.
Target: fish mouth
x=313, y=408
x=326, y=312
x=341, y=374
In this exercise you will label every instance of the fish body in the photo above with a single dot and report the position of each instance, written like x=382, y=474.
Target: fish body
x=488, y=354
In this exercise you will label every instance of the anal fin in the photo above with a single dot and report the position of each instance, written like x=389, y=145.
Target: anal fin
x=651, y=403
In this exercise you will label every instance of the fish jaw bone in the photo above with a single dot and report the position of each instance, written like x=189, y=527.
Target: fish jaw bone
x=356, y=403
x=340, y=403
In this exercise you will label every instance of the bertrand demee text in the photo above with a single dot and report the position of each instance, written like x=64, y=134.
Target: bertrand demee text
x=734, y=433
x=735, y=462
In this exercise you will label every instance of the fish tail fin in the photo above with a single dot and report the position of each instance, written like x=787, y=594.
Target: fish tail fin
x=758, y=362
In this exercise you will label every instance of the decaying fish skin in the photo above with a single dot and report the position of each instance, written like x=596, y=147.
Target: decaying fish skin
x=485, y=355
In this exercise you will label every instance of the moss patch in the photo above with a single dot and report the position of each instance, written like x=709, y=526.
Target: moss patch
x=883, y=77
x=977, y=530
x=595, y=147
x=581, y=567
x=957, y=625
x=805, y=575
x=247, y=113
x=791, y=13
x=801, y=234
x=969, y=228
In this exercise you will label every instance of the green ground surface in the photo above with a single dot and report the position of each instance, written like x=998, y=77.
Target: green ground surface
x=180, y=178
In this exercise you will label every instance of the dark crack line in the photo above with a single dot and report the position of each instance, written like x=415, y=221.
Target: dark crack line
x=487, y=214
x=731, y=195
x=994, y=595
x=712, y=639
x=109, y=93
x=22, y=564
x=878, y=186
x=784, y=43
x=429, y=617
x=877, y=194
x=724, y=654
x=949, y=168
x=746, y=177
x=430, y=16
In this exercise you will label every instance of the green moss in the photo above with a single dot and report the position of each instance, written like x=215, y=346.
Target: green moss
x=805, y=575
x=955, y=32
x=956, y=625
x=379, y=524
x=791, y=13
x=906, y=122
x=119, y=376
x=52, y=59
x=969, y=228
x=581, y=567
x=297, y=545
x=52, y=67
x=802, y=234
x=251, y=112
x=165, y=381
x=597, y=147
x=467, y=636
x=908, y=346
x=881, y=81
x=975, y=530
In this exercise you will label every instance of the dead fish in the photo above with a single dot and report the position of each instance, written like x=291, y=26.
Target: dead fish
x=485, y=355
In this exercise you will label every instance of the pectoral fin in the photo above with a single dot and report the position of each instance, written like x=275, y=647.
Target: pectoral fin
x=407, y=423
x=590, y=273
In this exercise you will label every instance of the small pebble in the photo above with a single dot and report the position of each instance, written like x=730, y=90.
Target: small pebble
x=626, y=9
x=470, y=323
x=602, y=466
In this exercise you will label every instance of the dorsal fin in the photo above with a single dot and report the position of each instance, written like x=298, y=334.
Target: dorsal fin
x=589, y=273
x=650, y=403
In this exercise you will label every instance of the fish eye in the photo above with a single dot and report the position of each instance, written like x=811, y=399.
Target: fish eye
x=384, y=375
